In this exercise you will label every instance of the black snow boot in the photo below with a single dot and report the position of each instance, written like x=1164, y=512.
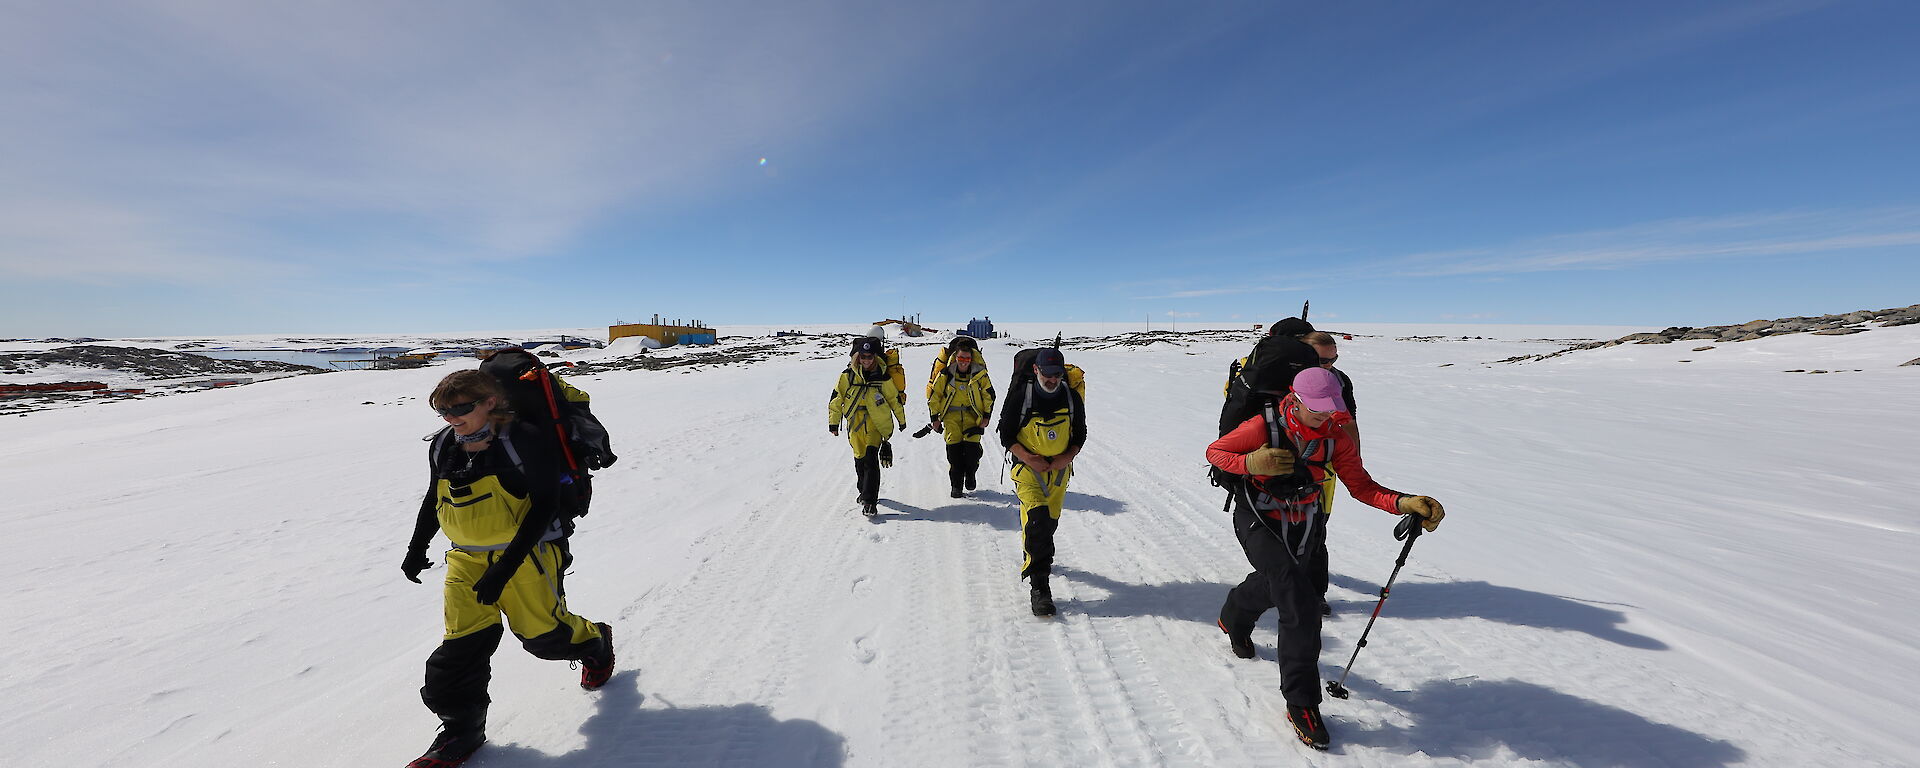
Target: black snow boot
x=1308, y=726
x=869, y=508
x=450, y=748
x=970, y=484
x=1239, y=638
x=1042, y=597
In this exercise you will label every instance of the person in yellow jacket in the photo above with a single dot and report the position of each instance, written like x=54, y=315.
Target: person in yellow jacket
x=1043, y=423
x=870, y=405
x=960, y=403
x=494, y=492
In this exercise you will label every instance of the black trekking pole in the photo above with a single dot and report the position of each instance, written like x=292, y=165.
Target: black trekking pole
x=1409, y=529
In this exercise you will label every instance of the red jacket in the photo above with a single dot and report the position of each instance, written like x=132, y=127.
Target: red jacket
x=1336, y=446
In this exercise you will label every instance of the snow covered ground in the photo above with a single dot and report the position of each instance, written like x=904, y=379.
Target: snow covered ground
x=1645, y=563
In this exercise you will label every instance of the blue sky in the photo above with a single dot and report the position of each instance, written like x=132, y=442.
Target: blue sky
x=230, y=166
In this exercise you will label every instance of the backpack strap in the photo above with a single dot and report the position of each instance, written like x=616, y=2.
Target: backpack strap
x=507, y=443
x=438, y=443
x=1270, y=410
x=539, y=371
x=1026, y=405
x=442, y=438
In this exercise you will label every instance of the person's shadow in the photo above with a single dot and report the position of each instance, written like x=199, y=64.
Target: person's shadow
x=1200, y=601
x=997, y=509
x=621, y=734
x=1507, y=605
x=1472, y=720
x=1187, y=600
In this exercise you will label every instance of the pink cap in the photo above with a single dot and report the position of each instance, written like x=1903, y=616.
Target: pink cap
x=1319, y=390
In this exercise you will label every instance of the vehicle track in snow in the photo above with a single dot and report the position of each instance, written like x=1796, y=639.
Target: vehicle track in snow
x=873, y=616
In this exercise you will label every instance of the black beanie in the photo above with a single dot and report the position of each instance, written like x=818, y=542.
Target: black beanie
x=866, y=344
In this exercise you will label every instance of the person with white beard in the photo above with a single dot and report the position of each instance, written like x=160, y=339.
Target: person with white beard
x=1043, y=424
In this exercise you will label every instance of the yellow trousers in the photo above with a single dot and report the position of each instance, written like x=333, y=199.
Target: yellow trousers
x=1041, y=496
x=533, y=601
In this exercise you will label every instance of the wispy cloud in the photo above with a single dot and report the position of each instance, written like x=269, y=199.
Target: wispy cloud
x=1679, y=240
x=446, y=130
x=1197, y=293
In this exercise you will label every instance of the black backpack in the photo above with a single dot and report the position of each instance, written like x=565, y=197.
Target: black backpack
x=550, y=404
x=1271, y=367
x=1022, y=367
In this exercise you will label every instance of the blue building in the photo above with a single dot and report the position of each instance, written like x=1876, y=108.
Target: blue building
x=980, y=328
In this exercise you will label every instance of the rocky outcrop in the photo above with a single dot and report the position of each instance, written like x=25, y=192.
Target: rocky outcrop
x=151, y=363
x=1825, y=325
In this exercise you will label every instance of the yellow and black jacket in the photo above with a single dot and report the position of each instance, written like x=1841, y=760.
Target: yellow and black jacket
x=1053, y=422
x=960, y=400
x=503, y=499
x=869, y=403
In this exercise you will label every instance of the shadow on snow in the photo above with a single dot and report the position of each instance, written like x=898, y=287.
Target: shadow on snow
x=998, y=509
x=1470, y=720
x=1186, y=600
x=1507, y=605
x=621, y=733
x=1200, y=601
x=1466, y=720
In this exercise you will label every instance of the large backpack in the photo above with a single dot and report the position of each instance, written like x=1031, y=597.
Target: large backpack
x=1020, y=383
x=945, y=355
x=897, y=372
x=548, y=402
x=1271, y=366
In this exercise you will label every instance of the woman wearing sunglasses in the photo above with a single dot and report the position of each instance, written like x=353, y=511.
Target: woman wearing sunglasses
x=865, y=398
x=494, y=488
x=1285, y=452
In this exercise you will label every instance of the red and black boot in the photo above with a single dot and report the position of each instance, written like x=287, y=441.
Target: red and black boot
x=1308, y=726
x=451, y=748
x=595, y=671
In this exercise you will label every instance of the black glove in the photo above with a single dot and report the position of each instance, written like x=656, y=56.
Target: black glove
x=833, y=429
x=903, y=427
x=487, y=589
x=414, y=564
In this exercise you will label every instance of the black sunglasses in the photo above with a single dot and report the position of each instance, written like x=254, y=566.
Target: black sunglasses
x=457, y=411
x=1329, y=360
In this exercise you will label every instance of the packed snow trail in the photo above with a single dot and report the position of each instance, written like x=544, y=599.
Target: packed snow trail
x=1616, y=584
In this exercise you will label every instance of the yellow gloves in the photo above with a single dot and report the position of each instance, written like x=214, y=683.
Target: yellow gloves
x=1270, y=461
x=1425, y=508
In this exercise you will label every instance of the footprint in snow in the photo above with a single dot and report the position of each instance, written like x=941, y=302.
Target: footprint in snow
x=863, y=650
